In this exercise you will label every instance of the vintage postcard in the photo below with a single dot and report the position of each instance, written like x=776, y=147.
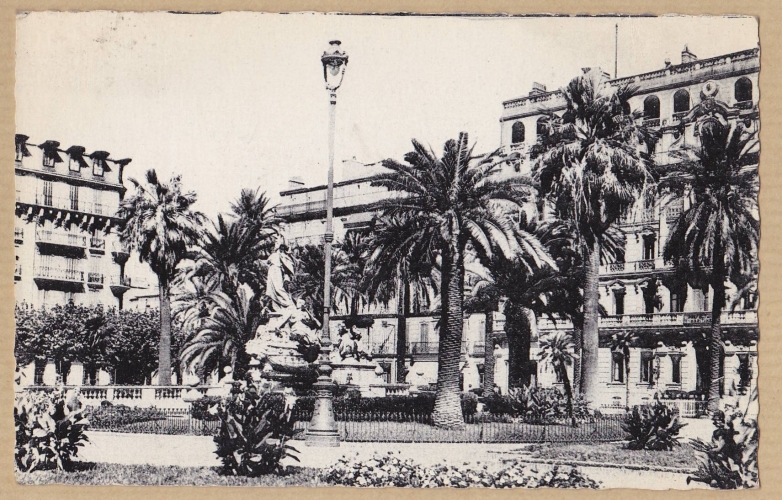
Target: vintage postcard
x=386, y=251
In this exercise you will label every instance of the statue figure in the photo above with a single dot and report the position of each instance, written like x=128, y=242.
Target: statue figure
x=281, y=269
x=351, y=346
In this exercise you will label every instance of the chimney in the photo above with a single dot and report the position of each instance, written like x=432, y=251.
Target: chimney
x=688, y=56
x=537, y=89
x=295, y=183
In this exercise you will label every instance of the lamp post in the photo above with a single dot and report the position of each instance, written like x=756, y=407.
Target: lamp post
x=322, y=430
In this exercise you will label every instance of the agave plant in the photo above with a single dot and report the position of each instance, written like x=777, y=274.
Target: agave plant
x=49, y=430
x=652, y=427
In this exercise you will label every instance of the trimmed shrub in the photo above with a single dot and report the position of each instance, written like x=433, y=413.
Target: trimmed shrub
x=536, y=404
x=652, y=428
x=255, y=426
x=199, y=409
x=391, y=408
x=113, y=416
x=391, y=470
x=49, y=430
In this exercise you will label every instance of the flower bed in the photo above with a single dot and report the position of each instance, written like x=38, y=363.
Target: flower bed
x=391, y=470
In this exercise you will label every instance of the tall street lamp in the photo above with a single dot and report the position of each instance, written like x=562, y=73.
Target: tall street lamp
x=322, y=430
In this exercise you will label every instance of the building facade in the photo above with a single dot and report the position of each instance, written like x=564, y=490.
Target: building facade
x=66, y=246
x=641, y=294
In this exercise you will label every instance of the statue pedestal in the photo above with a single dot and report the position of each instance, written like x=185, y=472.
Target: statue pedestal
x=363, y=374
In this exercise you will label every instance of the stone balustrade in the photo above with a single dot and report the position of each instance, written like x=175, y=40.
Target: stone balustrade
x=748, y=317
x=139, y=396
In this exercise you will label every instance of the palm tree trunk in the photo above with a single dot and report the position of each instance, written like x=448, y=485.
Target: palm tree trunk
x=488, y=356
x=164, y=349
x=578, y=341
x=591, y=388
x=403, y=310
x=627, y=382
x=447, y=406
x=715, y=346
x=568, y=392
x=517, y=329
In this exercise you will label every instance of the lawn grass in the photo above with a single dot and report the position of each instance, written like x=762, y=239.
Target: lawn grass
x=86, y=473
x=681, y=457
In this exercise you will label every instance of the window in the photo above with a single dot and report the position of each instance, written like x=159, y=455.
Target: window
x=648, y=249
x=97, y=167
x=423, y=333
x=706, y=306
x=745, y=372
x=647, y=367
x=676, y=369
x=619, y=302
x=542, y=126
x=517, y=133
x=560, y=378
x=651, y=107
x=47, y=193
x=617, y=367
x=677, y=302
x=742, y=91
x=74, y=198
x=681, y=101
x=73, y=165
x=48, y=160
x=40, y=366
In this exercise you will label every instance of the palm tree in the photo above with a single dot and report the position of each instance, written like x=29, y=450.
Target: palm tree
x=593, y=166
x=222, y=325
x=620, y=344
x=450, y=201
x=406, y=272
x=716, y=238
x=485, y=298
x=158, y=222
x=307, y=283
x=556, y=350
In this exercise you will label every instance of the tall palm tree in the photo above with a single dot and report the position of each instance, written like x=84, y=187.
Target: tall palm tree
x=557, y=350
x=715, y=239
x=158, y=222
x=593, y=166
x=449, y=201
x=621, y=344
x=307, y=283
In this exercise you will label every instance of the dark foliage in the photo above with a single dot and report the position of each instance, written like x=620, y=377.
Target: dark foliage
x=652, y=427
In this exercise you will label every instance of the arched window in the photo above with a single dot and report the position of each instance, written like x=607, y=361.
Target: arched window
x=517, y=133
x=652, y=107
x=743, y=90
x=681, y=101
x=542, y=126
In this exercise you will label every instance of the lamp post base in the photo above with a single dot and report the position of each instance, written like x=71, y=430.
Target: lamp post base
x=322, y=430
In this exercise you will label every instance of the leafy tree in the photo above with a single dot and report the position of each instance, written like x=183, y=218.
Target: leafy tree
x=451, y=201
x=158, y=222
x=716, y=238
x=592, y=167
x=307, y=282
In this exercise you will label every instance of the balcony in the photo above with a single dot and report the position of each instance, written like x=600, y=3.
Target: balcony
x=677, y=117
x=60, y=239
x=70, y=204
x=423, y=348
x=97, y=245
x=651, y=122
x=672, y=213
x=120, y=252
x=477, y=349
x=645, y=217
x=52, y=275
x=18, y=235
x=702, y=318
x=119, y=285
x=638, y=266
x=95, y=280
x=17, y=271
x=745, y=104
x=301, y=208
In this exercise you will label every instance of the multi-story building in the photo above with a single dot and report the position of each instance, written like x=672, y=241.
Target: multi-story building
x=66, y=245
x=641, y=294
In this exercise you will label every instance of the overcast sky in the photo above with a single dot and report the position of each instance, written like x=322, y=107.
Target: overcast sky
x=237, y=99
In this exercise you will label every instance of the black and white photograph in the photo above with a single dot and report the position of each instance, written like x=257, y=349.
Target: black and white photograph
x=416, y=251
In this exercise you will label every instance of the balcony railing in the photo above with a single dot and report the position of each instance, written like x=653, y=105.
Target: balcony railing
x=61, y=238
x=748, y=317
x=632, y=267
x=18, y=234
x=423, y=347
x=97, y=243
x=651, y=122
x=301, y=208
x=123, y=281
x=95, y=278
x=677, y=117
x=68, y=203
x=744, y=104
x=672, y=213
x=18, y=271
x=59, y=274
x=476, y=348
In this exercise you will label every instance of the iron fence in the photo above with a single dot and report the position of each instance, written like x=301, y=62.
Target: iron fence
x=164, y=421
